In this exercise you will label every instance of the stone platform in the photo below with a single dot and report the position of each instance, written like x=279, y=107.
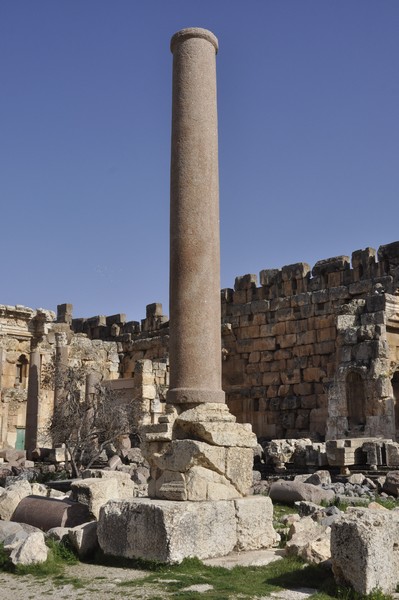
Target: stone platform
x=169, y=531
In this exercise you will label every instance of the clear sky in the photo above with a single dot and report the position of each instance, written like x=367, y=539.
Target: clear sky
x=308, y=100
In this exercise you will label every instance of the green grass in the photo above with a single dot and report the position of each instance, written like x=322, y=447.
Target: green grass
x=58, y=556
x=387, y=503
x=279, y=512
x=75, y=582
x=245, y=582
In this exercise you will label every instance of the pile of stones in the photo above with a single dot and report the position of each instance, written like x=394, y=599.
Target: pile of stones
x=31, y=511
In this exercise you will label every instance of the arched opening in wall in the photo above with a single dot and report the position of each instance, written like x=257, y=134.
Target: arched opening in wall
x=395, y=388
x=356, y=402
x=21, y=371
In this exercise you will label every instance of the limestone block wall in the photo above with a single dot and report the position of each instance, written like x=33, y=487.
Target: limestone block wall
x=305, y=353
x=290, y=344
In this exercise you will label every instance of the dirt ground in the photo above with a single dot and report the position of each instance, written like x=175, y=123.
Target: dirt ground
x=99, y=583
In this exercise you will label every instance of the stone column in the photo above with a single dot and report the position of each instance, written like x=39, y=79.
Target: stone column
x=195, y=339
x=32, y=405
x=61, y=364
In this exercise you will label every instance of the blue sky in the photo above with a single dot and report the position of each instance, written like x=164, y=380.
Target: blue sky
x=308, y=97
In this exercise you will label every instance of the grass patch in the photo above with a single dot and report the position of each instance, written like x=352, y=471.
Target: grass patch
x=75, y=582
x=245, y=582
x=279, y=512
x=388, y=503
x=58, y=556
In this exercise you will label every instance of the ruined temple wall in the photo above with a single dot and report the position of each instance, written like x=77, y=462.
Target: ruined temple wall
x=283, y=354
x=299, y=350
x=290, y=343
x=21, y=330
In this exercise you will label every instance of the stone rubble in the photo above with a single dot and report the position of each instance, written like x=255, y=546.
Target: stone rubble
x=364, y=550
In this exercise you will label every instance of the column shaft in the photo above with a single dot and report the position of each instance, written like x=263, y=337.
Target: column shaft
x=32, y=404
x=195, y=339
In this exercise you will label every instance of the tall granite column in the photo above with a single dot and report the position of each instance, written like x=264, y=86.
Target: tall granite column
x=195, y=339
x=32, y=404
x=200, y=459
x=196, y=451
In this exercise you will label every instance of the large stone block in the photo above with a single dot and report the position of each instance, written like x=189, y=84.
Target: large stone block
x=203, y=484
x=95, y=492
x=193, y=470
x=364, y=550
x=170, y=531
x=255, y=523
x=167, y=531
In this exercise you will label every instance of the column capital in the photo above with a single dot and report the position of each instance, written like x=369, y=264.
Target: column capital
x=193, y=32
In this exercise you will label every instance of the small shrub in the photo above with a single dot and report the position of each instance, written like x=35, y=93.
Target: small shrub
x=5, y=563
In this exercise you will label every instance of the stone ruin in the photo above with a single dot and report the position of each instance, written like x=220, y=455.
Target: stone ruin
x=322, y=363
x=310, y=360
x=318, y=362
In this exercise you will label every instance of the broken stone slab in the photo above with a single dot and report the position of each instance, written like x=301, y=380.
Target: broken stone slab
x=95, y=492
x=31, y=550
x=46, y=513
x=391, y=484
x=9, y=529
x=12, y=497
x=38, y=489
x=322, y=477
x=392, y=454
x=58, y=534
x=356, y=478
x=289, y=492
x=84, y=539
x=255, y=523
x=181, y=455
x=169, y=531
x=204, y=472
x=209, y=412
x=215, y=433
x=364, y=550
x=300, y=452
x=11, y=455
x=309, y=540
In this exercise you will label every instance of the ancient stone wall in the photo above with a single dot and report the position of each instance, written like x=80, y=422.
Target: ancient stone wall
x=20, y=330
x=291, y=343
x=307, y=353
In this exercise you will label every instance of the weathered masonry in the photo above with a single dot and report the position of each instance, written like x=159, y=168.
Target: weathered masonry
x=315, y=352
x=307, y=353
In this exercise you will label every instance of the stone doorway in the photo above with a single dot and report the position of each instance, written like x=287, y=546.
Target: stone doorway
x=356, y=403
x=20, y=441
x=395, y=389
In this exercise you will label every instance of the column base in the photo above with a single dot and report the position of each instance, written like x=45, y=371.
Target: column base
x=168, y=531
x=194, y=396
